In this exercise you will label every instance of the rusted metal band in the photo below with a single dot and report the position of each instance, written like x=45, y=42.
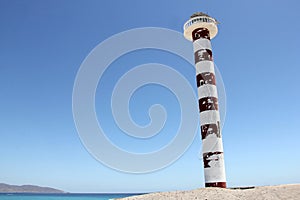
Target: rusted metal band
x=216, y=184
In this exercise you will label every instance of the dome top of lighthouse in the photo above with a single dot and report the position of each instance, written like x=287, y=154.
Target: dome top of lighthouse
x=200, y=20
x=197, y=14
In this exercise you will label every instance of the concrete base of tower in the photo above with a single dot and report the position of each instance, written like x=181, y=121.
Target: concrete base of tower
x=216, y=184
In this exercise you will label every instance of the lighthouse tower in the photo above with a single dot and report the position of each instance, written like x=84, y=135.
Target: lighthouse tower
x=200, y=29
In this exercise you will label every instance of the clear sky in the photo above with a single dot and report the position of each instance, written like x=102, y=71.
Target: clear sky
x=43, y=43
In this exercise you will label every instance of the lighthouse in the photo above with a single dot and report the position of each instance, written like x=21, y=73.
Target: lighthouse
x=200, y=29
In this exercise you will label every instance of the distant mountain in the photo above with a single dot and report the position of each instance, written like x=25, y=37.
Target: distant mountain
x=5, y=188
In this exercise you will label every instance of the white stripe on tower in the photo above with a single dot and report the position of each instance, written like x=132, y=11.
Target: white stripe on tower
x=205, y=66
x=201, y=43
x=207, y=90
x=212, y=147
x=209, y=117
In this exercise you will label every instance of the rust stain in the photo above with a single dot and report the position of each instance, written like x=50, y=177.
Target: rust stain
x=202, y=55
x=208, y=103
x=216, y=184
x=206, y=78
x=200, y=33
x=208, y=129
x=207, y=158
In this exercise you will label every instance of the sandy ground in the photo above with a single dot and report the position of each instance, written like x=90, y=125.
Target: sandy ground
x=291, y=192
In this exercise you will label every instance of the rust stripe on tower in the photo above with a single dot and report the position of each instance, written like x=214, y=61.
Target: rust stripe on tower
x=210, y=129
x=216, y=184
x=200, y=33
x=202, y=55
x=208, y=103
x=211, y=158
x=206, y=78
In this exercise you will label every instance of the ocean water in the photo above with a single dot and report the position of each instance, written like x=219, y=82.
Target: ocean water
x=9, y=196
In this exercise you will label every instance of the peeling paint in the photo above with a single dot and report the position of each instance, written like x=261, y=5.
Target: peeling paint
x=208, y=103
x=208, y=129
x=206, y=78
x=202, y=55
x=211, y=159
x=200, y=33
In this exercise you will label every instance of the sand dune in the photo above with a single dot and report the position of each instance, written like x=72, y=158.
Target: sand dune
x=290, y=192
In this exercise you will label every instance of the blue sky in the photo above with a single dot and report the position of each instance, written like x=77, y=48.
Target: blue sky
x=43, y=43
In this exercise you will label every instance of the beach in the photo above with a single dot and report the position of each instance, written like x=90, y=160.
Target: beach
x=282, y=192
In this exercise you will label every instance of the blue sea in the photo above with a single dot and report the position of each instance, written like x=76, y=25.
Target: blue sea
x=9, y=196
